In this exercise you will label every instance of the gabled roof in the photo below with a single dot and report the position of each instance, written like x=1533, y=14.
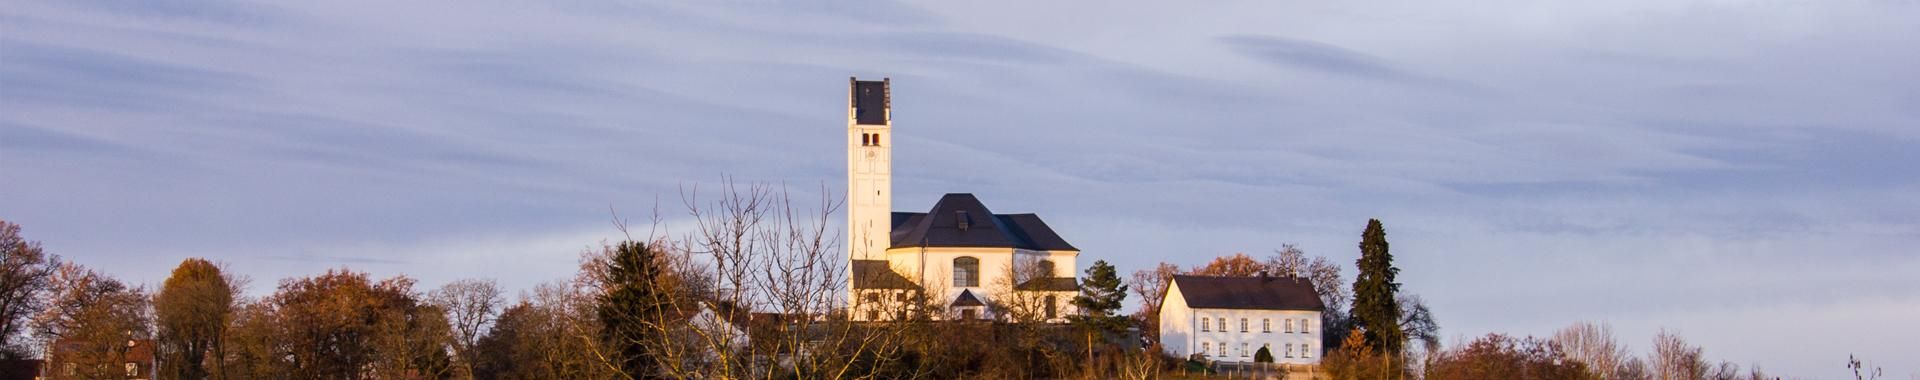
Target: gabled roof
x=1050, y=284
x=967, y=299
x=878, y=274
x=942, y=227
x=1262, y=293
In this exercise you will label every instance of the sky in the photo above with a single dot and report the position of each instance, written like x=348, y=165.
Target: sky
x=1739, y=172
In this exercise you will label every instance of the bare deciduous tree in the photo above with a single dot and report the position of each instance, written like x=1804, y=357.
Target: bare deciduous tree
x=471, y=305
x=1674, y=359
x=1593, y=343
x=25, y=272
x=757, y=289
x=1151, y=286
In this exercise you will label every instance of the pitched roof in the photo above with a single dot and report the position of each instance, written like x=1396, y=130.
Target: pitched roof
x=1264, y=293
x=1051, y=284
x=967, y=299
x=942, y=227
x=878, y=274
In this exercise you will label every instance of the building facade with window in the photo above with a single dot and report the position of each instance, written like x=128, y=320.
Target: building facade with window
x=958, y=259
x=1230, y=318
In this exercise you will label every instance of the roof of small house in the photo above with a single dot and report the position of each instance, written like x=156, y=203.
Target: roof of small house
x=1258, y=292
x=1051, y=284
x=960, y=220
x=878, y=274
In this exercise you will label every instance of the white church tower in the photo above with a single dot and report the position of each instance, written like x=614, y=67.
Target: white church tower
x=869, y=169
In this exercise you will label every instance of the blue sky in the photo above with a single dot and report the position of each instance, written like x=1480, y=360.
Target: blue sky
x=1738, y=171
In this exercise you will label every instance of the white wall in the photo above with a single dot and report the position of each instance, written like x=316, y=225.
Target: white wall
x=869, y=189
x=994, y=266
x=1181, y=335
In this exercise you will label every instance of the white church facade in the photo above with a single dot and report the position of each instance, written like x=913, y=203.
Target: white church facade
x=958, y=260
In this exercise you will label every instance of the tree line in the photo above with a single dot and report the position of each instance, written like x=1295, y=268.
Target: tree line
x=757, y=288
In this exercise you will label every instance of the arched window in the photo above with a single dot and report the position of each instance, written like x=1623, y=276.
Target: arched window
x=966, y=272
x=1046, y=268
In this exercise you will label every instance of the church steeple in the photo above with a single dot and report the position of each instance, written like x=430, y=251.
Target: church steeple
x=869, y=168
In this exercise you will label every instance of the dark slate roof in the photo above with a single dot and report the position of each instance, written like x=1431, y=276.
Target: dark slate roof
x=878, y=274
x=967, y=299
x=940, y=227
x=1264, y=293
x=1051, y=284
x=870, y=102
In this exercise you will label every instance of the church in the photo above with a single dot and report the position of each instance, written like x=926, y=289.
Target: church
x=956, y=261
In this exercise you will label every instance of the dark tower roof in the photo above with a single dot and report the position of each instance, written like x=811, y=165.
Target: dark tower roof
x=871, y=101
x=960, y=220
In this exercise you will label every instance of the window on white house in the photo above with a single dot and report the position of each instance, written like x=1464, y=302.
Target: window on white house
x=1243, y=325
x=1223, y=348
x=1289, y=350
x=966, y=272
x=1303, y=326
x=1205, y=348
x=1289, y=325
x=876, y=139
x=1304, y=351
x=1243, y=350
x=1266, y=325
x=1222, y=326
x=1204, y=326
x=1045, y=268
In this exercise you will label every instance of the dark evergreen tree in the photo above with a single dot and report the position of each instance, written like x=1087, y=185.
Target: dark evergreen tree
x=632, y=307
x=1263, y=355
x=1099, y=301
x=1375, y=308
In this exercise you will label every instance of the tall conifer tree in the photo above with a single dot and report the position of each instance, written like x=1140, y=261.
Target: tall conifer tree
x=1374, y=308
x=632, y=308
